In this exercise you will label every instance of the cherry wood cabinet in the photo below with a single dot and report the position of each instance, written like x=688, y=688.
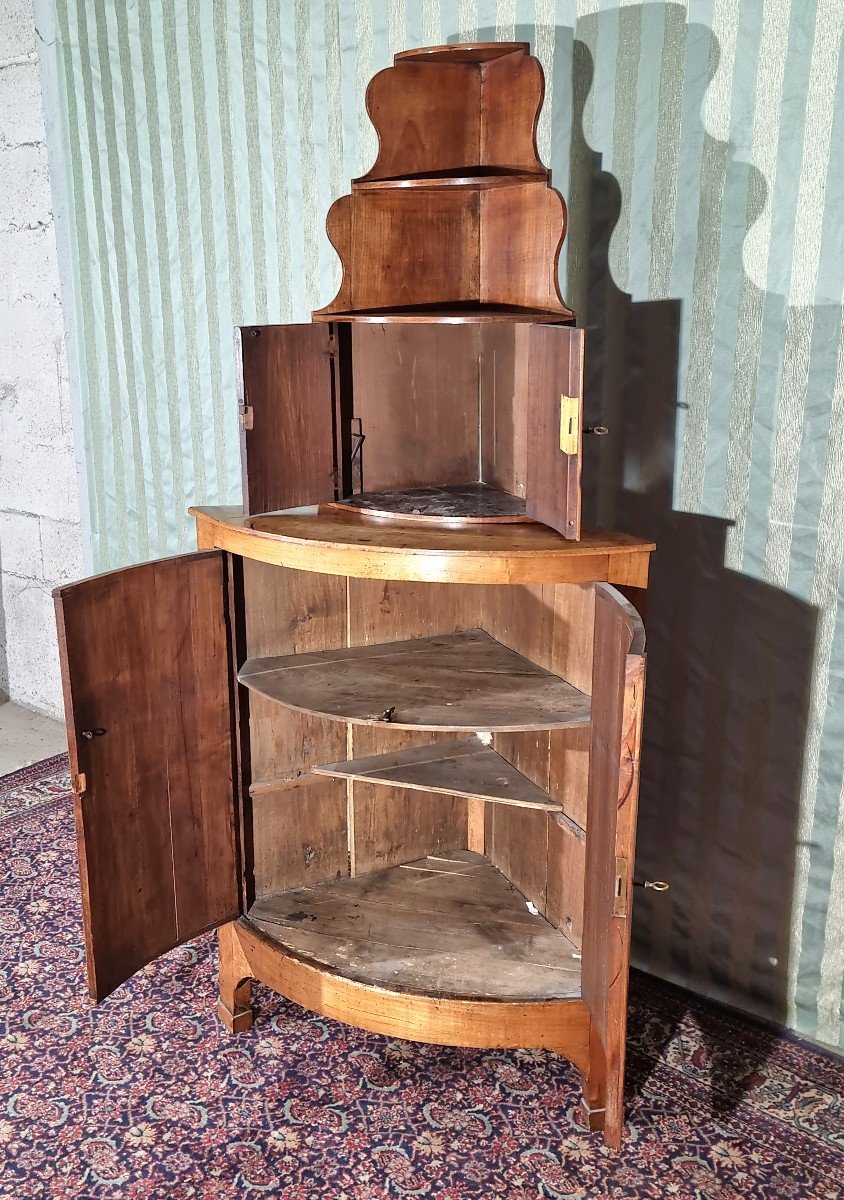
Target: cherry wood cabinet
x=383, y=728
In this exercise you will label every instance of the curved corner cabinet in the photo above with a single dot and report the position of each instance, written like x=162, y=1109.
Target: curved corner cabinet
x=383, y=729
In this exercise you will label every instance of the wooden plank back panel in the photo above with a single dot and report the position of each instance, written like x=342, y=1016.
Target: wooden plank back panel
x=394, y=825
x=503, y=405
x=566, y=877
x=287, y=436
x=416, y=395
x=145, y=655
x=617, y=701
x=301, y=834
x=553, y=626
x=568, y=778
x=298, y=828
x=553, y=477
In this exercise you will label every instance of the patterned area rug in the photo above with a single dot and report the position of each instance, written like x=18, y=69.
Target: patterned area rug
x=147, y=1095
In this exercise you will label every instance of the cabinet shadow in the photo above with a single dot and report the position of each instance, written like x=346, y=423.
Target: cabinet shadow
x=729, y=657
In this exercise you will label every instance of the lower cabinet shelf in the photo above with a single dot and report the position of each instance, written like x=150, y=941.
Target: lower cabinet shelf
x=449, y=927
x=463, y=768
x=464, y=680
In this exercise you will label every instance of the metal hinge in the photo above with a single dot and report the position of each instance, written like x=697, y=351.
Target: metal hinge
x=246, y=416
x=332, y=345
x=621, y=892
x=78, y=784
x=569, y=424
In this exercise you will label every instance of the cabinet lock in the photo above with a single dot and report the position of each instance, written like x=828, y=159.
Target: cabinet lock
x=569, y=424
x=92, y=733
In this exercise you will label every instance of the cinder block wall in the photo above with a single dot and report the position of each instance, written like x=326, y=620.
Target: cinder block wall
x=40, y=536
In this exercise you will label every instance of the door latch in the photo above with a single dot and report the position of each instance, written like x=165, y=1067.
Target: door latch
x=569, y=424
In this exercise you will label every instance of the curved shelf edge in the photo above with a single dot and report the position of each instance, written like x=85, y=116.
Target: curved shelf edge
x=457, y=681
x=328, y=543
x=559, y=1025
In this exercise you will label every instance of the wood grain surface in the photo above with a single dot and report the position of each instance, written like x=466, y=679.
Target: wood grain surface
x=456, y=681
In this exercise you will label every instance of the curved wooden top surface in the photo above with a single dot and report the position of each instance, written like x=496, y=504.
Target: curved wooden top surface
x=333, y=542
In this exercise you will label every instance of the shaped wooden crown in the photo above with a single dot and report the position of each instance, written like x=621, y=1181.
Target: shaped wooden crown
x=457, y=212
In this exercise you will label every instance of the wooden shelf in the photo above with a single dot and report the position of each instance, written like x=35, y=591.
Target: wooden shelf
x=328, y=540
x=468, y=503
x=480, y=178
x=464, y=768
x=450, y=314
x=450, y=926
x=456, y=681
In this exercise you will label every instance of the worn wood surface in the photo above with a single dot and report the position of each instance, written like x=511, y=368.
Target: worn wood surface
x=617, y=697
x=449, y=925
x=458, y=681
x=298, y=822
x=462, y=768
x=287, y=438
x=333, y=542
x=393, y=825
x=559, y=1025
x=145, y=656
x=466, y=503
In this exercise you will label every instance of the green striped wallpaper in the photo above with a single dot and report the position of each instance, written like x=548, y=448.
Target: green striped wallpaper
x=700, y=148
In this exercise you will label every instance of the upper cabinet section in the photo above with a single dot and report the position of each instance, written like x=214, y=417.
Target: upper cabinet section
x=452, y=111
x=457, y=218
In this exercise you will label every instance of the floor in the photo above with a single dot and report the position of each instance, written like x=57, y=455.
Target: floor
x=147, y=1097
x=27, y=737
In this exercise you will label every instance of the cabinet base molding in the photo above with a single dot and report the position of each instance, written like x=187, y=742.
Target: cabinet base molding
x=563, y=1026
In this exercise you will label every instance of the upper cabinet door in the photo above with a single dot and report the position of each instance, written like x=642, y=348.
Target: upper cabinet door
x=287, y=415
x=554, y=430
x=147, y=673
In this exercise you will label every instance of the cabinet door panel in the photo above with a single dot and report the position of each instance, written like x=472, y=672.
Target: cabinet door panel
x=554, y=427
x=147, y=674
x=287, y=416
x=618, y=682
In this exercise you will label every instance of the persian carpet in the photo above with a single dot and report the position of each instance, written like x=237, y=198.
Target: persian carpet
x=148, y=1096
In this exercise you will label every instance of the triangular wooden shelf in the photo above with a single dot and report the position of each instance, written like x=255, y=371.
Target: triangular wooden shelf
x=455, y=681
x=449, y=925
x=464, y=768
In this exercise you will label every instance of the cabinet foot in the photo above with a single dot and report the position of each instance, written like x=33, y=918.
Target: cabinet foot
x=233, y=1007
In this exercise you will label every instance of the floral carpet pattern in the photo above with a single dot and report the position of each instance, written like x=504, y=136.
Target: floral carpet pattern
x=147, y=1096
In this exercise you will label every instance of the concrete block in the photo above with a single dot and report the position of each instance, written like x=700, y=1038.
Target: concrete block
x=29, y=268
x=25, y=200
x=31, y=648
x=41, y=480
x=17, y=29
x=20, y=545
x=61, y=551
x=21, y=106
x=33, y=370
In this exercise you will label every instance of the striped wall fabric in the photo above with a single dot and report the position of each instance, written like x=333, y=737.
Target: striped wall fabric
x=699, y=146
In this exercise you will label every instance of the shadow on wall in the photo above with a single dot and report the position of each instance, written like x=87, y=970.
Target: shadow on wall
x=729, y=657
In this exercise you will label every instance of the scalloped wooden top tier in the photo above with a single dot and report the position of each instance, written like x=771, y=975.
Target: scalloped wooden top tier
x=457, y=212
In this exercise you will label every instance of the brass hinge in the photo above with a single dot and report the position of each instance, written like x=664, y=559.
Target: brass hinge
x=620, y=899
x=78, y=784
x=569, y=424
x=332, y=345
x=246, y=416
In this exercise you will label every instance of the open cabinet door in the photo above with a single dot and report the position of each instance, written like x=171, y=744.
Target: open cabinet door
x=554, y=428
x=147, y=675
x=286, y=415
x=618, y=684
